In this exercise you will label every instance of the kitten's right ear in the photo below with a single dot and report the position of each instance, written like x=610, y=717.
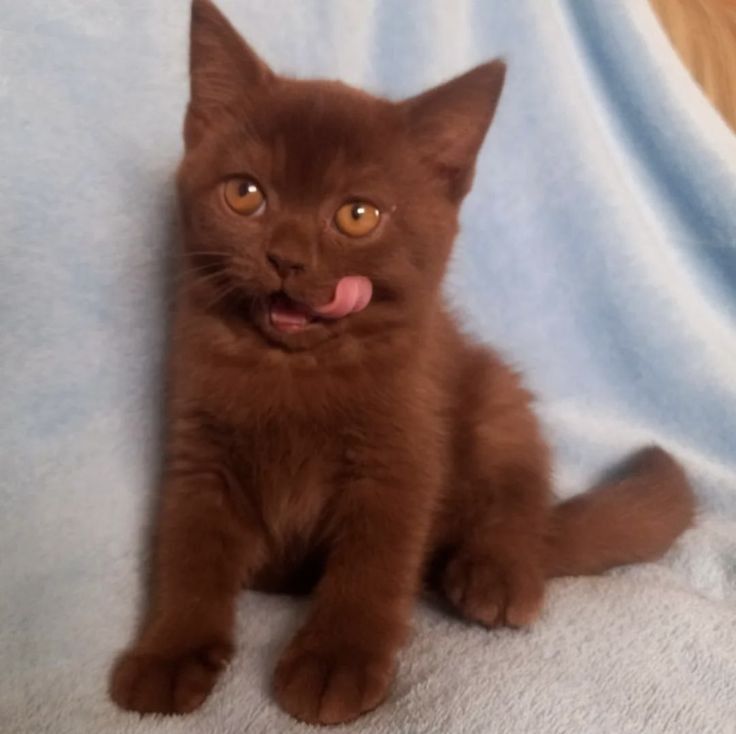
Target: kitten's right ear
x=448, y=123
x=223, y=69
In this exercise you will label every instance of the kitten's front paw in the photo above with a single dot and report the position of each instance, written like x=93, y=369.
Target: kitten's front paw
x=331, y=686
x=486, y=590
x=167, y=684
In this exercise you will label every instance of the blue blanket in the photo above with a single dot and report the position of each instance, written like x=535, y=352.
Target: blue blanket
x=598, y=252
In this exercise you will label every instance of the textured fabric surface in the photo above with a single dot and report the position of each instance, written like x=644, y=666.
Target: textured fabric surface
x=598, y=252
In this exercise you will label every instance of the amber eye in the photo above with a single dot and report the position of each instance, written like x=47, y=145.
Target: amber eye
x=244, y=196
x=357, y=218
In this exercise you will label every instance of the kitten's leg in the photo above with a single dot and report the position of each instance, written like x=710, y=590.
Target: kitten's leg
x=204, y=552
x=498, y=505
x=342, y=661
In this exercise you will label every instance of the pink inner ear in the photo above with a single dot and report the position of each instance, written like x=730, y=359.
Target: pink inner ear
x=352, y=294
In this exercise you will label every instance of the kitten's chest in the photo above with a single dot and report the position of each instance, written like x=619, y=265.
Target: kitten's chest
x=287, y=471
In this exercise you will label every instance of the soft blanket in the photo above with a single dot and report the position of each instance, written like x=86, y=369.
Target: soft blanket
x=598, y=252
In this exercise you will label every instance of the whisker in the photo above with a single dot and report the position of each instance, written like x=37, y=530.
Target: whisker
x=203, y=270
x=184, y=286
x=184, y=270
x=219, y=297
x=215, y=253
x=170, y=263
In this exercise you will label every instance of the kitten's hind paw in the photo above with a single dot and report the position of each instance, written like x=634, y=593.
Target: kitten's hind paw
x=493, y=593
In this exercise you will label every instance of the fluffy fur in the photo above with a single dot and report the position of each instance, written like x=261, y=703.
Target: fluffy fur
x=361, y=455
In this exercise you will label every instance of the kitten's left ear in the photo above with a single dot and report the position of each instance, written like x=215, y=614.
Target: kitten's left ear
x=448, y=123
x=224, y=70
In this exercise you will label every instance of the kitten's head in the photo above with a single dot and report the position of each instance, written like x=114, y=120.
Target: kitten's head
x=312, y=209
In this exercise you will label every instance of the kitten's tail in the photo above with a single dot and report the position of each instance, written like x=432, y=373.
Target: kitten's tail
x=632, y=517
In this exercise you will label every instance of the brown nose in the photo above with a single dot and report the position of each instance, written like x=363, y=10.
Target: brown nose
x=284, y=266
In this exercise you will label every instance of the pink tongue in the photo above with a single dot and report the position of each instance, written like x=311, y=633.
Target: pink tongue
x=352, y=294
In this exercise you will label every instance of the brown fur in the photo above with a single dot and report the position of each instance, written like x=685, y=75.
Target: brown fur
x=361, y=454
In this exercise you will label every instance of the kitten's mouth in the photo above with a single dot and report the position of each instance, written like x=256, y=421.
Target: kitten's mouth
x=352, y=294
x=288, y=315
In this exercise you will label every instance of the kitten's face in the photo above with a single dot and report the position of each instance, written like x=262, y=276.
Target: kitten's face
x=313, y=209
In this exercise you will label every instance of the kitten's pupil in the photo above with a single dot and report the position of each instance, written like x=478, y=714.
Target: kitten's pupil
x=357, y=211
x=245, y=188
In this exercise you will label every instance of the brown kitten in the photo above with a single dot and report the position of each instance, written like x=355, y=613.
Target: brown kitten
x=328, y=422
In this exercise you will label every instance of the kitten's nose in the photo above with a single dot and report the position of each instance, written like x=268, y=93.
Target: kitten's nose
x=284, y=266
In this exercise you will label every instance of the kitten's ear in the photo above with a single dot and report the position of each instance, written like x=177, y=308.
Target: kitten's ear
x=223, y=69
x=448, y=123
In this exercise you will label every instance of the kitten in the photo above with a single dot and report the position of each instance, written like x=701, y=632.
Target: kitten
x=328, y=424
